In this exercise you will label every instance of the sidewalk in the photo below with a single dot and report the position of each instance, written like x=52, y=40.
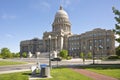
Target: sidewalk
x=13, y=71
x=15, y=68
x=93, y=75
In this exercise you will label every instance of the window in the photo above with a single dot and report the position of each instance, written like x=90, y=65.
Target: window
x=95, y=41
x=100, y=41
x=90, y=47
x=108, y=39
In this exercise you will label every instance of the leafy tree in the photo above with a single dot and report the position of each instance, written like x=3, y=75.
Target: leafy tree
x=89, y=55
x=0, y=55
x=64, y=54
x=82, y=55
x=5, y=52
x=17, y=54
x=24, y=54
x=13, y=54
x=118, y=51
x=117, y=28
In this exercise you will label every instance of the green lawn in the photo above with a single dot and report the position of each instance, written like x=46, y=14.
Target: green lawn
x=57, y=74
x=14, y=76
x=4, y=63
x=67, y=74
x=109, y=70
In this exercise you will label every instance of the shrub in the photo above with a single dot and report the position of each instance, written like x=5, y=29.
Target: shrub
x=113, y=57
x=64, y=54
x=89, y=55
x=24, y=54
x=5, y=52
x=0, y=56
x=69, y=57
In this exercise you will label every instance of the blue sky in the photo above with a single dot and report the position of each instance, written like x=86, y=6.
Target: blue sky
x=26, y=19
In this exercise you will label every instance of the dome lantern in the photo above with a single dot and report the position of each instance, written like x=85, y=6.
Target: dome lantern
x=61, y=21
x=61, y=13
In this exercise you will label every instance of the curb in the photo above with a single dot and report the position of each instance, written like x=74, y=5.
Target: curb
x=13, y=71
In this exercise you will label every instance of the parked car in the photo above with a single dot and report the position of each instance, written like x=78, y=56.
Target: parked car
x=56, y=59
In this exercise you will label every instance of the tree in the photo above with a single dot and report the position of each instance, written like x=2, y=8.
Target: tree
x=64, y=54
x=0, y=55
x=118, y=51
x=13, y=54
x=89, y=55
x=82, y=55
x=5, y=53
x=17, y=55
x=117, y=28
x=24, y=54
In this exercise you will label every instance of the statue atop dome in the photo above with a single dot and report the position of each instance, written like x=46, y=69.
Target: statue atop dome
x=61, y=8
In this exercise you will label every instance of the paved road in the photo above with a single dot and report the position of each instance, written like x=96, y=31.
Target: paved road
x=33, y=61
x=15, y=67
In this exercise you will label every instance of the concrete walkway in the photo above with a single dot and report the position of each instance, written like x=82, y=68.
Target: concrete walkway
x=13, y=71
x=93, y=75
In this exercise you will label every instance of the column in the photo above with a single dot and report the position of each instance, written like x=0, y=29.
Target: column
x=56, y=43
x=61, y=45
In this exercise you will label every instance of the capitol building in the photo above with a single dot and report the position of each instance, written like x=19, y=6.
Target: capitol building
x=100, y=41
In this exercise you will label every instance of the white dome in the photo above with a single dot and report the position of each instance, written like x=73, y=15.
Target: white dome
x=61, y=13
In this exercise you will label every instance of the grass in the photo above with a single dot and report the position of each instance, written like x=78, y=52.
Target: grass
x=67, y=74
x=57, y=74
x=14, y=76
x=4, y=63
x=108, y=70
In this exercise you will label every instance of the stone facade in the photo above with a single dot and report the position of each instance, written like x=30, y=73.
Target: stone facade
x=99, y=41
x=33, y=46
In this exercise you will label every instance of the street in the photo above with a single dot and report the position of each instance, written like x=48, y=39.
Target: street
x=33, y=62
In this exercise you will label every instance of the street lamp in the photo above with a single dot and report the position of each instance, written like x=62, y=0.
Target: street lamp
x=93, y=50
x=49, y=37
x=84, y=55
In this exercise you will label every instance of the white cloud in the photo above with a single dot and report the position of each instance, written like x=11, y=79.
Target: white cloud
x=116, y=43
x=6, y=16
x=67, y=3
x=12, y=17
x=41, y=5
x=45, y=5
x=117, y=36
x=8, y=35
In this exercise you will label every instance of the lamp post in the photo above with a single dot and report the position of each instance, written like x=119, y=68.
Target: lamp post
x=49, y=37
x=84, y=55
x=93, y=50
